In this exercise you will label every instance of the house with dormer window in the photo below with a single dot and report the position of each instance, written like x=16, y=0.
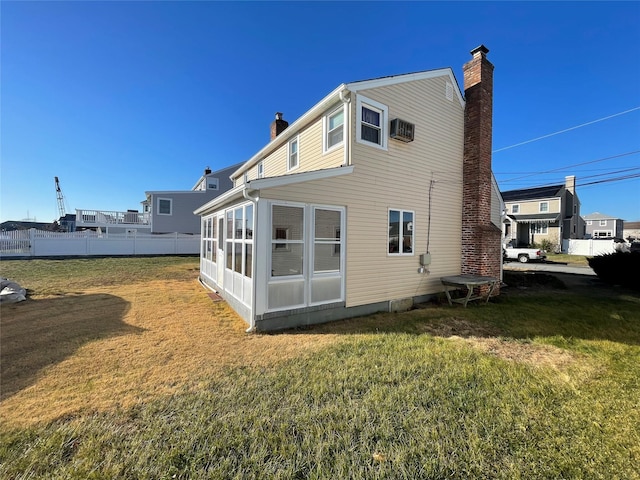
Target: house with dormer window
x=362, y=204
x=542, y=214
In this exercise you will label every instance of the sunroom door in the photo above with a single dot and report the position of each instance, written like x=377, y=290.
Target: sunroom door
x=327, y=256
x=220, y=253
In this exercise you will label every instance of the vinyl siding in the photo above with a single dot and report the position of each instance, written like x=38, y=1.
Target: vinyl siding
x=310, y=155
x=533, y=206
x=398, y=179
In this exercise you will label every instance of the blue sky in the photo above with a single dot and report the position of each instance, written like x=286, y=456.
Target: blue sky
x=117, y=98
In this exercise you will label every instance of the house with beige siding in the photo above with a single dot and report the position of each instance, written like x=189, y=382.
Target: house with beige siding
x=547, y=214
x=362, y=204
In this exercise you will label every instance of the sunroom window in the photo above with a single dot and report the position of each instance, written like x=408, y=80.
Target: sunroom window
x=287, y=241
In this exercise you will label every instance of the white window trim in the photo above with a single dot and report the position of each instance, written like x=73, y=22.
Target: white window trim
x=515, y=208
x=544, y=226
x=260, y=169
x=589, y=222
x=170, y=200
x=607, y=233
x=400, y=234
x=540, y=206
x=308, y=252
x=384, y=118
x=325, y=129
x=603, y=223
x=295, y=140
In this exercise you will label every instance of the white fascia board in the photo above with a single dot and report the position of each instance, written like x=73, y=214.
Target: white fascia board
x=291, y=130
x=408, y=77
x=226, y=197
x=260, y=183
x=174, y=192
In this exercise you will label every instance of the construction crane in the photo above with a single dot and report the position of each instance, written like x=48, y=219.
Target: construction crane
x=60, y=197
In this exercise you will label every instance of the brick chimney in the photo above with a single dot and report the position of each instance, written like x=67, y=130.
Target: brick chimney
x=278, y=125
x=481, y=249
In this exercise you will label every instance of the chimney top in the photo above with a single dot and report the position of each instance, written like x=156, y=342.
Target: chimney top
x=207, y=170
x=278, y=125
x=480, y=50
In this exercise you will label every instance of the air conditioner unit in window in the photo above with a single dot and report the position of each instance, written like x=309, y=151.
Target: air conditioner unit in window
x=402, y=130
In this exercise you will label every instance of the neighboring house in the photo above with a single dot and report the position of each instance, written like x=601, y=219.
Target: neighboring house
x=12, y=225
x=599, y=225
x=535, y=215
x=631, y=231
x=362, y=204
x=162, y=211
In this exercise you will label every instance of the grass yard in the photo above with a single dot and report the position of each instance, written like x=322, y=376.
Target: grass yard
x=126, y=368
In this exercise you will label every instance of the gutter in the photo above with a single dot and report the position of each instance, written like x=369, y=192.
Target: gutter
x=345, y=97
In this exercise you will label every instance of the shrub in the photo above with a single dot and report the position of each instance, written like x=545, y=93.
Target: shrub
x=619, y=268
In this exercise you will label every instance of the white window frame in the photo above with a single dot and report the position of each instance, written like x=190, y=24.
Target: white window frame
x=589, y=222
x=540, y=228
x=326, y=132
x=541, y=209
x=170, y=200
x=605, y=233
x=212, y=183
x=296, y=141
x=260, y=169
x=515, y=208
x=603, y=223
x=400, y=253
x=383, y=110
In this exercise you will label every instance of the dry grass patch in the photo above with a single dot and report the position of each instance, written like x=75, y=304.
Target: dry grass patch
x=112, y=347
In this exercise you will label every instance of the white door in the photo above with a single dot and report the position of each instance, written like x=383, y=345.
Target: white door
x=220, y=253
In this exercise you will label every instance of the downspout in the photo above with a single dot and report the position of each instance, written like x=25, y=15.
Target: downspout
x=254, y=200
x=345, y=97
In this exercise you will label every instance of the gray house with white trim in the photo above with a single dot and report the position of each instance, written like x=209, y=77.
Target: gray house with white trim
x=600, y=225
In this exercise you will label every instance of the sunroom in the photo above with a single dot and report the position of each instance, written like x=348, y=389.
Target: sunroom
x=274, y=260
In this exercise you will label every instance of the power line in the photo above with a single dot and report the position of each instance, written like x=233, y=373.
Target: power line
x=572, y=166
x=566, y=130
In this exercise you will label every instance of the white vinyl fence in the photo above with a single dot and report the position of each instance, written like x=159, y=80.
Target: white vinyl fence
x=40, y=243
x=591, y=247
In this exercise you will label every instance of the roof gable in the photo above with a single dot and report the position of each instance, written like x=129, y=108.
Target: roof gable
x=599, y=216
x=532, y=193
x=407, y=77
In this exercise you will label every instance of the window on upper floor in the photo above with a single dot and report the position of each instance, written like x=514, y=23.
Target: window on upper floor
x=333, y=127
x=212, y=183
x=372, y=120
x=165, y=206
x=292, y=162
x=260, y=169
x=400, y=232
x=603, y=223
x=515, y=208
x=589, y=222
x=544, y=206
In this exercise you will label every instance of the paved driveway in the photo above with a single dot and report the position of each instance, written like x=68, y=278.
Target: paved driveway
x=548, y=267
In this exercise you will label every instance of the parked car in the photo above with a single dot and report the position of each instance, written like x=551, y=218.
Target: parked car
x=523, y=255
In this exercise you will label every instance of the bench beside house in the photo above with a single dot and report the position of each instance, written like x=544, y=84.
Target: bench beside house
x=362, y=204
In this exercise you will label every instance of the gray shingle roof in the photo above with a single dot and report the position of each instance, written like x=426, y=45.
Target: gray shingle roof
x=531, y=193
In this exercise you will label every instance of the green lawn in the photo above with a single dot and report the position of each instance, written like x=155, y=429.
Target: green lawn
x=542, y=383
